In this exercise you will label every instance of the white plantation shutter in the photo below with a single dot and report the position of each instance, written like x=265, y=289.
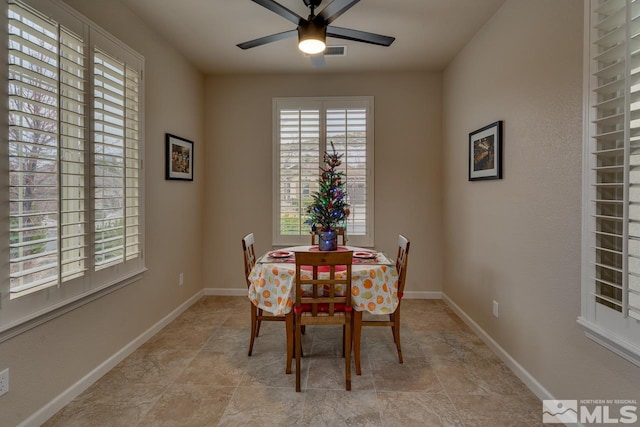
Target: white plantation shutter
x=72, y=160
x=46, y=148
x=611, y=278
x=303, y=129
x=133, y=166
x=117, y=161
x=75, y=155
x=298, y=165
x=347, y=129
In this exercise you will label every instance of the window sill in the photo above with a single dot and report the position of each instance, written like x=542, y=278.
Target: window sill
x=622, y=348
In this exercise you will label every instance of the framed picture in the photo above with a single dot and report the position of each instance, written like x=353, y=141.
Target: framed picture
x=179, y=158
x=485, y=152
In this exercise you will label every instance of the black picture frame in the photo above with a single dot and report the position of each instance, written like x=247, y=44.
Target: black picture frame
x=178, y=158
x=485, y=152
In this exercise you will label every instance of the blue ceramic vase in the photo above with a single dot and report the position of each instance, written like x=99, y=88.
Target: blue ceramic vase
x=328, y=240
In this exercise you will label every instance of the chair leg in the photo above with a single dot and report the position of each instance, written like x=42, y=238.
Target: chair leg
x=289, y=321
x=393, y=322
x=396, y=332
x=298, y=341
x=347, y=341
x=260, y=314
x=344, y=338
x=357, y=335
x=254, y=320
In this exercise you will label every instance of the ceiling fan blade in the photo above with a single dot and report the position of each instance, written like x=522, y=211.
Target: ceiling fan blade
x=280, y=10
x=359, y=36
x=267, y=39
x=317, y=61
x=334, y=9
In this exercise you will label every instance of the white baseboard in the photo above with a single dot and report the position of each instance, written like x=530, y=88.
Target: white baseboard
x=233, y=292
x=243, y=292
x=422, y=295
x=528, y=379
x=60, y=401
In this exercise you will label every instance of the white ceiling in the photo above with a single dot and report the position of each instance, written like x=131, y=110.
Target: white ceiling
x=429, y=33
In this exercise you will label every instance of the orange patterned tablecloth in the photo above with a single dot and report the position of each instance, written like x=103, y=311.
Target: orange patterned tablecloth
x=374, y=285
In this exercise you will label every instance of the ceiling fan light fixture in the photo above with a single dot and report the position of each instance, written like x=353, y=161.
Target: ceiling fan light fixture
x=312, y=46
x=312, y=38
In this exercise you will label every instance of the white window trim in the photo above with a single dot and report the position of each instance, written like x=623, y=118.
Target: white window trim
x=603, y=325
x=322, y=103
x=21, y=314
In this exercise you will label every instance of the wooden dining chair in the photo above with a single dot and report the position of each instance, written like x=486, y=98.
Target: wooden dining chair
x=257, y=314
x=325, y=301
x=394, y=318
x=342, y=236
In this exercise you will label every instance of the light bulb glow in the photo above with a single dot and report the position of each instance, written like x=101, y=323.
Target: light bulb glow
x=311, y=46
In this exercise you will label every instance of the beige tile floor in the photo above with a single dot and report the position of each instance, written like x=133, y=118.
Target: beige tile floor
x=196, y=372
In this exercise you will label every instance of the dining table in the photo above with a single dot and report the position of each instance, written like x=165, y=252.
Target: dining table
x=374, y=280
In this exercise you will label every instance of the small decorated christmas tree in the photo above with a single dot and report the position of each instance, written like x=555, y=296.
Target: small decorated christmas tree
x=329, y=207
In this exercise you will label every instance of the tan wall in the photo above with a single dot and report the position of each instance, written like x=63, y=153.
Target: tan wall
x=517, y=240
x=47, y=360
x=407, y=165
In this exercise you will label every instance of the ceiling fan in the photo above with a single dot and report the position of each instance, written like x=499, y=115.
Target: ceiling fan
x=313, y=31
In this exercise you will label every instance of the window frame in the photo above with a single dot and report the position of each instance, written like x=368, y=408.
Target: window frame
x=18, y=314
x=323, y=104
x=614, y=330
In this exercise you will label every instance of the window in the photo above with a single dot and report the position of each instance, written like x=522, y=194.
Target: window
x=611, y=240
x=303, y=129
x=74, y=162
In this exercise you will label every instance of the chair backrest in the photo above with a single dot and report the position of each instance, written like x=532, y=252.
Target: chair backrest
x=328, y=274
x=342, y=236
x=401, y=261
x=249, y=256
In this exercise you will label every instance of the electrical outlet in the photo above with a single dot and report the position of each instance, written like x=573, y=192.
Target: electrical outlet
x=495, y=309
x=181, y=279
x=4, y=382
